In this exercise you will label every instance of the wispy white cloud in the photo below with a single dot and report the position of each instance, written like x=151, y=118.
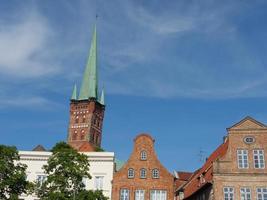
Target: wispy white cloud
x=23, y=46
x=29, y=102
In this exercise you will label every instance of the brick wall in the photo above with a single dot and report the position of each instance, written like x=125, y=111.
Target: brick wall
x=143, y=142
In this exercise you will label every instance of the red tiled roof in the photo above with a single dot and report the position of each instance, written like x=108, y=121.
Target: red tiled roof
x=194, y=183
x=184, y=175
x=86, y=147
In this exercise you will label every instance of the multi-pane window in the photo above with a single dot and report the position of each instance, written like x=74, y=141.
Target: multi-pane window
x=99, y=182
x=242, y=158
x=124, y=194
x=143, y=155
x=158, y=195
x=259, y=162
x=228, y=193
x=139, y=194
x=131, y=173
x=40, y=179
x=155, y=173
x=261, y=193
x=142, y=173
x=245, y=193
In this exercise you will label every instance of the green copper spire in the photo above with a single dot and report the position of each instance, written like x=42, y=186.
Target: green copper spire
x=74, y=93
x=102, y=98
x=89, y=83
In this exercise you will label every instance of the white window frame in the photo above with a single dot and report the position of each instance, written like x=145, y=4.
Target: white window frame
x=261, y=193
x=155, y=173
x=143, y=155
x=242, y=158
x=228, y=193
x=158, y=195
x=124, y=194
x=143, y=173
x=245, y=193
x=99, y=182
x=139, y=195
x=130, y=173
x=258, y=157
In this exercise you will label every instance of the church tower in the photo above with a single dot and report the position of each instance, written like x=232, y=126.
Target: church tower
x=87, y=108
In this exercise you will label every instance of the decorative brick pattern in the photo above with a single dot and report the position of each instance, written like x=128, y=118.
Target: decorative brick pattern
x=143, y=142
x=85, y=125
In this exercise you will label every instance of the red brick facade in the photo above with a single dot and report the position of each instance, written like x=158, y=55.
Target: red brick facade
x=85, y=125
x=235, y=170
x=143, y=158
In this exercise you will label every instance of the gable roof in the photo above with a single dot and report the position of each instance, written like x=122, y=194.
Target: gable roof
x=39, y=148
x=194, y=183
x=247, y=123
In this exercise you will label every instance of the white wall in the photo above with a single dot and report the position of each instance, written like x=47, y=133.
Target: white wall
x=101, y=165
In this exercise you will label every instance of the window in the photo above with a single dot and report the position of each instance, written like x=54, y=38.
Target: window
x=40, y=179
x=84, y=119
x=82, y=135
x=139, y=194
x=259, y=162
x=143, y=155
x=245, y=193
x=228, y=193
x=84, y=180
x=261, y=193
x=131, y=173
x=74, y=136
x=158, y=195
x=124, y=194
x=155, y=173
x=77, y=119
x=143, y=173
x=99, y=182
x=242, y=158
x=249, y=140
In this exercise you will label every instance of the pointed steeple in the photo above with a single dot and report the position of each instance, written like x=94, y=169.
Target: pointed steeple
x=90, y=79
x=102, y=98
x=74, y=93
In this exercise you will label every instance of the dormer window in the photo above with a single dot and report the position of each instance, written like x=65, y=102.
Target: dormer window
x=143, y=155
x=131, y=173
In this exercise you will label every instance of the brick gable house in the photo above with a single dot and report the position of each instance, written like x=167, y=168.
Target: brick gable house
x=235, y=170
x=143, y=176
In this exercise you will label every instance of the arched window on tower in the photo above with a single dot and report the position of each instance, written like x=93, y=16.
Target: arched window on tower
x=82, y=135
x=84, y=119
x=76, y=119
x=74, y=135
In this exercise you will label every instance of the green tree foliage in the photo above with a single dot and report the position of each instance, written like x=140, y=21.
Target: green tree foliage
x=12, y=174
x=91, y=195
x=65, y=170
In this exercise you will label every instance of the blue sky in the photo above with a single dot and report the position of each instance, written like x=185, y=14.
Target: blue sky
x=183, y=71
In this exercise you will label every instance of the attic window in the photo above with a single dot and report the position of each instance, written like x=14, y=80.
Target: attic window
x=249, y=139
x=143, y=155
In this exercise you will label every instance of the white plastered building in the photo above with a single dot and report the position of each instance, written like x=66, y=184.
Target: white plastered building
x=101, y=170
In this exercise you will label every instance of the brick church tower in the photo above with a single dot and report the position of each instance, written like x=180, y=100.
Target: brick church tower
x=87, y=108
